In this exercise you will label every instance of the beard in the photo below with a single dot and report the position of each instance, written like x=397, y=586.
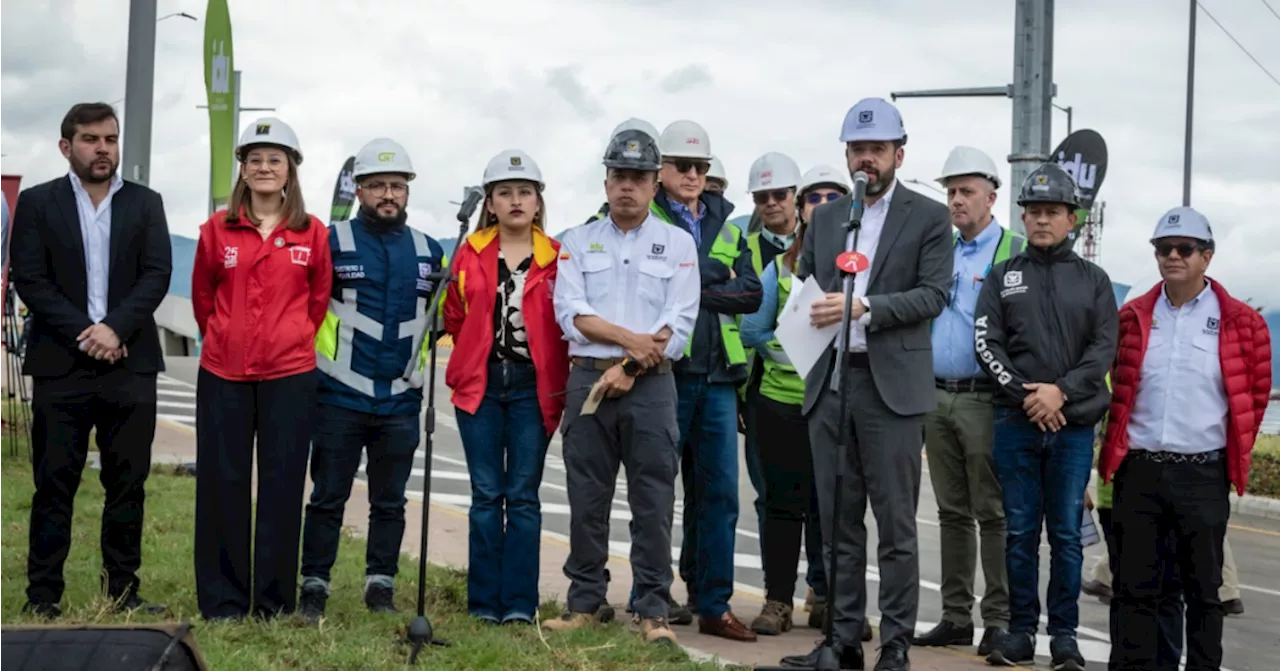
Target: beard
x=883, y=180
x=85, y=171
x=371, y=215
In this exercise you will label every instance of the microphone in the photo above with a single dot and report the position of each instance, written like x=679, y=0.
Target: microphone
x=859, y=200
x=474, y=195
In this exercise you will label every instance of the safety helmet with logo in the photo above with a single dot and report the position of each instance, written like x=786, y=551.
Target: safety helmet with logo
x=824, y=175
x=969, y=161
x=512, y=165
x=633, y=150
x=1183, y=222
x=685, y=139
x=382, y=156
x=272, y=132
x=773, y=171
x=637, y=124
x=1049, y=184
x=873, y=120
x=716, y=171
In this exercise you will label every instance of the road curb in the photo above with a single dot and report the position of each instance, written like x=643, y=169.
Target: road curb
x=1258, y=506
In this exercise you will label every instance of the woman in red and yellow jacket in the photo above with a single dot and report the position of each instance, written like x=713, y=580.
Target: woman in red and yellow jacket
x=260, y=289
x=508, y=369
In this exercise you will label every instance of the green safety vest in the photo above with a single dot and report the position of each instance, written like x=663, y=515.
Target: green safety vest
x=724, y=250
x=779, y=380
x=1011, y=244
x=757, y=262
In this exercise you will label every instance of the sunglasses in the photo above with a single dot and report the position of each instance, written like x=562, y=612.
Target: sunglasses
x=1185, y=249
x=818, y=198
x=684, y=165
x=778, y=195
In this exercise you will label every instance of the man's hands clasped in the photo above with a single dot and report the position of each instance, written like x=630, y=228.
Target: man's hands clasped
x=1044, y=405
x=646, y=349
x=101, y=342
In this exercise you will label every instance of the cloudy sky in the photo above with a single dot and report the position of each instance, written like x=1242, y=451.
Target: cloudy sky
x=457, y=81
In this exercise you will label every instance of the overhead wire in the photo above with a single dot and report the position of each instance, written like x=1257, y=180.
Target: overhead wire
x=1237, y=42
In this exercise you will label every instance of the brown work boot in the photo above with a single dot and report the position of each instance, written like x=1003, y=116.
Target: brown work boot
x=774, y=619
x=655, y=630
x=727, y=626
x=571, y=621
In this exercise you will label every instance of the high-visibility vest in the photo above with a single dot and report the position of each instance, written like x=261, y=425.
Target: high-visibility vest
x=724, y=250
x=1011, y=244
x=779, y=380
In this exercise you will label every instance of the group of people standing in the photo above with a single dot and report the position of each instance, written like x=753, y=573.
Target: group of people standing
x=646, y=336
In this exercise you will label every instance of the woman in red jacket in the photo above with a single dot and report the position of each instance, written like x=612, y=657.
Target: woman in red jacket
x=507, y=370
x=260, y=289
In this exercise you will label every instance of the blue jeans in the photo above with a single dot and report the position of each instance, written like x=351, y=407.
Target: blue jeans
x=505, y=443
x=339, y=438
x=1043, y=477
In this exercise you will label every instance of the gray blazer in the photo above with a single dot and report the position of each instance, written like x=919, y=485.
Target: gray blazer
x=910, y=284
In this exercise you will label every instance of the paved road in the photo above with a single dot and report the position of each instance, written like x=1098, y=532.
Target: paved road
x=1250, y=640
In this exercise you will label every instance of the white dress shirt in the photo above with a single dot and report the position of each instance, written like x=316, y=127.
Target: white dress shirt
x=641, y=280
x=868, y=240
x=1181, y=405
x=95, y=230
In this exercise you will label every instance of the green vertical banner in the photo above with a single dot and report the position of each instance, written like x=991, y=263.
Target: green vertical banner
x=218, y=82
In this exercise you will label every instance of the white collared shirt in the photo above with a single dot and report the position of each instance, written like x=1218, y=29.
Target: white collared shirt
x=95, y=230
x=641, y=280
x=1181, y=404
x=868, y=241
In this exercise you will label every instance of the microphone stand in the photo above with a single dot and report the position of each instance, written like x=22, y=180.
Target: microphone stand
x=420, y=632
x=828, y=658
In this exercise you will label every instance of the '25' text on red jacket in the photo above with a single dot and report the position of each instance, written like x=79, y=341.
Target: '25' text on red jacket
x=468, y=317
x=259, y=302
x=1244, y=350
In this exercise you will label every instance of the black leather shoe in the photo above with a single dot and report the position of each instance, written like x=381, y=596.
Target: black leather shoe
x=125, y=604
x=893, y=657
x=42, y=609
x=990, y=639
x=945, y=633
x=850, y=659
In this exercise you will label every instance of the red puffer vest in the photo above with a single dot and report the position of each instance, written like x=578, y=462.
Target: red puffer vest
x=1245, y=354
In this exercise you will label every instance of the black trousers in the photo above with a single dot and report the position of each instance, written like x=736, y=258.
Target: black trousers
x=121, y=405
x=1169, y=521
x=229, y=416
x=786, y=462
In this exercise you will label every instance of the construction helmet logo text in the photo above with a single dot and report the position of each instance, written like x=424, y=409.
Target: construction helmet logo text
x=386, y=156
x=515, y=160
x=262, y=129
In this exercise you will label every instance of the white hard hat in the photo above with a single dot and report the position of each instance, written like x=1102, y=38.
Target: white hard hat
x=636, y=124
x=383, y=156
x=685, y=139
x=717, y=171
x=1183, y=222
x=511, y=165
x=824, y=174
x=873, y=120
x=969, y=161
x=269, y=131
x=773, y=171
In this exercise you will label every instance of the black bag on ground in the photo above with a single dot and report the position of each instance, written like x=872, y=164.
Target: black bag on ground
x=141, y=647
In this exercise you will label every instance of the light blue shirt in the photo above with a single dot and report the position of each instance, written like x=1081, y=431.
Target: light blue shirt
x=692, y=222
x=953, y=357
x=757, y=328
x=95, y=229
x=641, y=280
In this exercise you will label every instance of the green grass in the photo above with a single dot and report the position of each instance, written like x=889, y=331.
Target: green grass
x=348, y=638
x=1264, y=474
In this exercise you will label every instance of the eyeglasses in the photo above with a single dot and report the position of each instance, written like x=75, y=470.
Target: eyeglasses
x=778, y=195
x=685, y=165
x=817, y=198
x=1185, y=249
x=381, y=188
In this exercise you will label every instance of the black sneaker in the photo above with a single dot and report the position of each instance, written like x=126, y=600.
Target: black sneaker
x=678, y=614
x=1065, y=654
x=133, y=602
x=42, y=609
x=1013, y=649
x=991, y=637
x=311, y=603
x=380, y=599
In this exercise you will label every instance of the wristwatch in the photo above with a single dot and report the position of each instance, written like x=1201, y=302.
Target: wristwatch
x=631, y=368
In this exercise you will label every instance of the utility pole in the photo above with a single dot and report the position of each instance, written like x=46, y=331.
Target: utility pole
x=1191, y=97
x=139, y=90
x=1032, y=92
x=235, y=93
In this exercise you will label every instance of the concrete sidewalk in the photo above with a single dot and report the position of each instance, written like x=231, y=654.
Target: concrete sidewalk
x=447, y=545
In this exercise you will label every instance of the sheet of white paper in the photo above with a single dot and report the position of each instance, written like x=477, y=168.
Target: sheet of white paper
x=799, y=339
x=590, y=405
x=1088, y=530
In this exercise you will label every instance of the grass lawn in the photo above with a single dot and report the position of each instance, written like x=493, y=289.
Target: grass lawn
x=349, y=638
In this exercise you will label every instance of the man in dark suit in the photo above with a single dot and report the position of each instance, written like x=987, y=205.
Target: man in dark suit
x=906, y=237
x=91, y=260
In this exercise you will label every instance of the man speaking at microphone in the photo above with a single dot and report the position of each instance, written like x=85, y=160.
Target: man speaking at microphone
x=904, y=266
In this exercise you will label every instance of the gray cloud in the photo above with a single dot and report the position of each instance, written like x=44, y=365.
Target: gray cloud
x=686, y=78
x=564, y=81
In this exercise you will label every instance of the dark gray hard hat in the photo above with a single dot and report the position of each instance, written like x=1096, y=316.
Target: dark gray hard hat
x=633, y=150
x=1049, y=183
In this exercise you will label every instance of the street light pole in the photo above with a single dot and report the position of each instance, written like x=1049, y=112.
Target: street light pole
x=1191, y=96
x=139, y=89
x=1068, y=109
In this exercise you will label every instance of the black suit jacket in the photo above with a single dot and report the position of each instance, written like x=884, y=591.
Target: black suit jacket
x=48, y=271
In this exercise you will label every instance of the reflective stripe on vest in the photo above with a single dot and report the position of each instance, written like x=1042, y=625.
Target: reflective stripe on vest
x=336, y=339
x=724, y=250
x=780, y=381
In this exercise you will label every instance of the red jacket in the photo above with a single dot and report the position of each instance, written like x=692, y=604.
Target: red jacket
x=468, y=317
x=1245, y=354
x=259, y=302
